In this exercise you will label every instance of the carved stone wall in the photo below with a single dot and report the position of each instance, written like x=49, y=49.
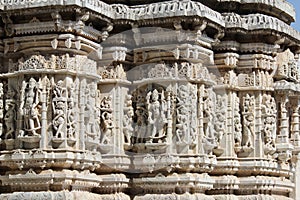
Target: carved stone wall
x=149, y=100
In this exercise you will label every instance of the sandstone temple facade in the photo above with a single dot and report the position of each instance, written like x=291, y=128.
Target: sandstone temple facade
x=149, y=100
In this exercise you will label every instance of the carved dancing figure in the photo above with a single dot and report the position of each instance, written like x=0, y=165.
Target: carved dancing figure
x=59, y=119
x=107, y=123
x=107, y=127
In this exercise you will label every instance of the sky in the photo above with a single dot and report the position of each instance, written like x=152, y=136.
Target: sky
x=296, y=4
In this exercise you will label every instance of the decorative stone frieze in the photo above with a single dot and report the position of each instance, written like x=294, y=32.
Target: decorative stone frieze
x=149, y=100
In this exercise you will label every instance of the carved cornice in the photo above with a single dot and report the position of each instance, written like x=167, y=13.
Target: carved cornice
x=285, y=7
x=97, y=6
x=167, y=9
x=151, y=12
x=253, y=22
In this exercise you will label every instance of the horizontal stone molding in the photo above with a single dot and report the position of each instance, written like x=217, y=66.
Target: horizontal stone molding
x=167, y=9
x=284, y=6
x=254, y=22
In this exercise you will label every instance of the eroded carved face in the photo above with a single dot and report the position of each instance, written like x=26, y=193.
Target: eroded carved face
x=32, y=83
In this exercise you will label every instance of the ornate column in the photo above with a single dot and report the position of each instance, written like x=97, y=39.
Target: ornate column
x=44, y=118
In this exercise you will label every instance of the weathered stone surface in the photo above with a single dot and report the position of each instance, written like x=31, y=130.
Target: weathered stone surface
x=149, y=100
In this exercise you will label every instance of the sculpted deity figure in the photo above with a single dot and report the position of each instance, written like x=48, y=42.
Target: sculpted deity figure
x=140, y=128
x=182, y=114
x=71, y=120
x=269, y=112
x=156, y=117
x=91, y=123
x=127, y=120
x=270, y=131
x=29, y=107
x=210, y=115
x=107, y=123
x=106, y=127
x=182, y=118
x=237, y=133
x=59, y=119
x=237, y=123
x=220, y=121
x=248, y=121
x=9, y=119
x=248, y=129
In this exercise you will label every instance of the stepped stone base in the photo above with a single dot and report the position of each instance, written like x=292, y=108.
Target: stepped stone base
x=65, y=195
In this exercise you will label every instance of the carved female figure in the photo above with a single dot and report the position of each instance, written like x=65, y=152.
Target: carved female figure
x=248, y=129
x=59, y=119
x=107, y=127
x=127, y=120
x=10, y=118
x=71, y=120
x=140, y=128
x=107, y=123
x=208, y=111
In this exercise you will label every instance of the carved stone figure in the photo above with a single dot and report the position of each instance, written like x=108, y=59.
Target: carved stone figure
x=127, y=120
x=71, y=127
x=269, y=112
x=10, y=119
x=30, y=107
x=209, y=114
x=248, y=122
x=59, y=119
x=91, y=124
x=140, y=118
x=220, y=121
x=182, y=115
x=157, y=114
x=107, y=123
x=237, y=123
x=214, y=111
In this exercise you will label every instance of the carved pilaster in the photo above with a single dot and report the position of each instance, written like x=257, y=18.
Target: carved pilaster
x=283, y=145
x=295, y=132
